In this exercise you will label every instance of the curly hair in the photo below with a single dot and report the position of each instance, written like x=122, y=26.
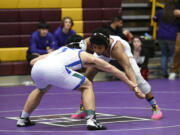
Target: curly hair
x=100, y=37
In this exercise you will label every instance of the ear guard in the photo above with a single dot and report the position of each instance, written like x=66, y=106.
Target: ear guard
x=83, y=45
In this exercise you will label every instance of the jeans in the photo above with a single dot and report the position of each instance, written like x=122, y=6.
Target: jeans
x=167, y=49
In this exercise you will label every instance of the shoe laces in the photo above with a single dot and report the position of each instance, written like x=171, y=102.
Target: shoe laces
x=93, y=118
x=80, y=110
x=155, y=109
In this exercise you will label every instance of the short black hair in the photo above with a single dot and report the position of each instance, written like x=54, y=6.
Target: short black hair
x=43, y=25
x=100, y=37
x=116, y=19
x=63, y=21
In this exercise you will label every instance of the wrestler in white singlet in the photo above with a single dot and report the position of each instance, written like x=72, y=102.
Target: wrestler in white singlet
x=142, y=83
x=58, y=69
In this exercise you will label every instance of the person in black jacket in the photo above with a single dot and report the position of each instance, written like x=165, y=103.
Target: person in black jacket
x=115, y=27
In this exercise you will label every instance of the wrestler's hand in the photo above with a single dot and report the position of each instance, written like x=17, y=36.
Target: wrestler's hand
x=133, y=86
x=138, y=92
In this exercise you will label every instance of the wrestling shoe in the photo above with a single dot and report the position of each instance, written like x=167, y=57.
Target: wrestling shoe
x=157, y=114
x=80, y=114
x=24, y=122
x=92, y=124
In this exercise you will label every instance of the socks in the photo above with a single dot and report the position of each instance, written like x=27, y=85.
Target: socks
x=24, y=114
x=152, y=101
x=90, y=114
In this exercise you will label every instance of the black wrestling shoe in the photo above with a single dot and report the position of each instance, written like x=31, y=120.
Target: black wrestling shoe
x=24, y=122
x=92, y=124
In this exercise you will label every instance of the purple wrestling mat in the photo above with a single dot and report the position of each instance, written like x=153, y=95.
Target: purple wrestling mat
x=116, y=105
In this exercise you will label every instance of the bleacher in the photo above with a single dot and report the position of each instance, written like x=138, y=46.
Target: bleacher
x=19, y=18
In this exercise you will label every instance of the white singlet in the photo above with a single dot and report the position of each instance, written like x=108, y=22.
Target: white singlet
x=58, y=69
x=142, y=84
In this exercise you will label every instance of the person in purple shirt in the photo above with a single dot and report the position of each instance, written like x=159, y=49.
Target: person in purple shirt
x=64, y=31
x=166, y=34
x=41, y=42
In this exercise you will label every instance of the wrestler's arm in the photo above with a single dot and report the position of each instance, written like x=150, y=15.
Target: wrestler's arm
x=177, y=12
x=33, y=61
x=119, y=54
x=89, y=60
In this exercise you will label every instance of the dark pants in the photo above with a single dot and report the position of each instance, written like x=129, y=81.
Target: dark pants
x=167, y=49
x=30, y=56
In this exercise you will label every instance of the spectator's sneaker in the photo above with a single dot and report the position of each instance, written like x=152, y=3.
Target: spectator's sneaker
x=92, y=124
x=24, y=122
x=157, y=114
x=172, y=76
